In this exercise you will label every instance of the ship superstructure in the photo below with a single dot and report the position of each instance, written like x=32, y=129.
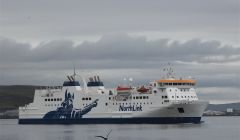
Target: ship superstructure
x=168, y=100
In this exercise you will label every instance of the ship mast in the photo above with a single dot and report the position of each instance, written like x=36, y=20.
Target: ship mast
x=170, y=71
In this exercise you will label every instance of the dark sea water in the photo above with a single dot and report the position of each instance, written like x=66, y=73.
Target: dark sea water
x=213, y=128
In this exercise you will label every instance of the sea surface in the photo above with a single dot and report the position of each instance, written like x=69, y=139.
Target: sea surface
x=213, y=128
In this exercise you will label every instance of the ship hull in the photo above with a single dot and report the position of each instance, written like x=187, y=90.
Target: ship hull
x=157, y=115
x=149, y=120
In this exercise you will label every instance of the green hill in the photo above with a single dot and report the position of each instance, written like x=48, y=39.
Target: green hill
x=11, y=97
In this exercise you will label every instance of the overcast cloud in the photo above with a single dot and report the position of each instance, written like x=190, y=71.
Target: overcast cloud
x=40, y=41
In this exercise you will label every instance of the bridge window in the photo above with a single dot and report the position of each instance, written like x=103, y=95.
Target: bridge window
x=137, y=97
x=51, y=99
x=45, y=99
x=106, y=104
x=140, y=97
x=90, y=98
x=55, y=99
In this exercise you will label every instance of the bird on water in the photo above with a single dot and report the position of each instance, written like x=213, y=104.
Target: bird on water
x=104, y=138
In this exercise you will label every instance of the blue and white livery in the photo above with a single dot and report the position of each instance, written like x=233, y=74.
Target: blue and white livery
x=164, y=101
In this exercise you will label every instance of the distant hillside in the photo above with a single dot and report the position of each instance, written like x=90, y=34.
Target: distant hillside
x=223, y=107
x=11, y=97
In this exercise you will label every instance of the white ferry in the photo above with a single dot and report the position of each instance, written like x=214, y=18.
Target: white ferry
x=164, y=101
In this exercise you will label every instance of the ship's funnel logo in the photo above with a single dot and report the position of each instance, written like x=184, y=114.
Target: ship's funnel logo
x=67, y=111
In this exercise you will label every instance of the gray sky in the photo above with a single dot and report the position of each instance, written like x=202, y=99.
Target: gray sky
x=40, y=41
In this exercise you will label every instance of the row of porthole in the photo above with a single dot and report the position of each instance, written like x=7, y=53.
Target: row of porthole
x=52, y=104
x=131, y=103
x=53, y=99
x=185, y=96
x=164, y=97
x=87, y=98
x=140, y=97
x=136, y=97
x=183, y=90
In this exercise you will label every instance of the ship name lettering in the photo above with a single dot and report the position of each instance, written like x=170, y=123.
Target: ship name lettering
x=130, y=108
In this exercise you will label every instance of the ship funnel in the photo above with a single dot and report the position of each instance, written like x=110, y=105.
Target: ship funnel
x=72, y=78
x=91, y=79
x=69, y=78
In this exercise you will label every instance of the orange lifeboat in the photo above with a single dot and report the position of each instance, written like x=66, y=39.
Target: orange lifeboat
x=142, y=89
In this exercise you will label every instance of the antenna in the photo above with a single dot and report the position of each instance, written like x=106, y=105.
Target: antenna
x=170, y=72
x=74, y=71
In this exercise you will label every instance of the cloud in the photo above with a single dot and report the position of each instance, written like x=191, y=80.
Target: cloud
x=215, y=66
x=134, y=38
x=122, y=48
x=49, y=20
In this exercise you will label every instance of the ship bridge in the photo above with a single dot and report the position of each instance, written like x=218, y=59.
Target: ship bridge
x=176, y=82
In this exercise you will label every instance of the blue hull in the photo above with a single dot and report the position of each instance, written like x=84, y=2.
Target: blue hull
x=160, y=120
